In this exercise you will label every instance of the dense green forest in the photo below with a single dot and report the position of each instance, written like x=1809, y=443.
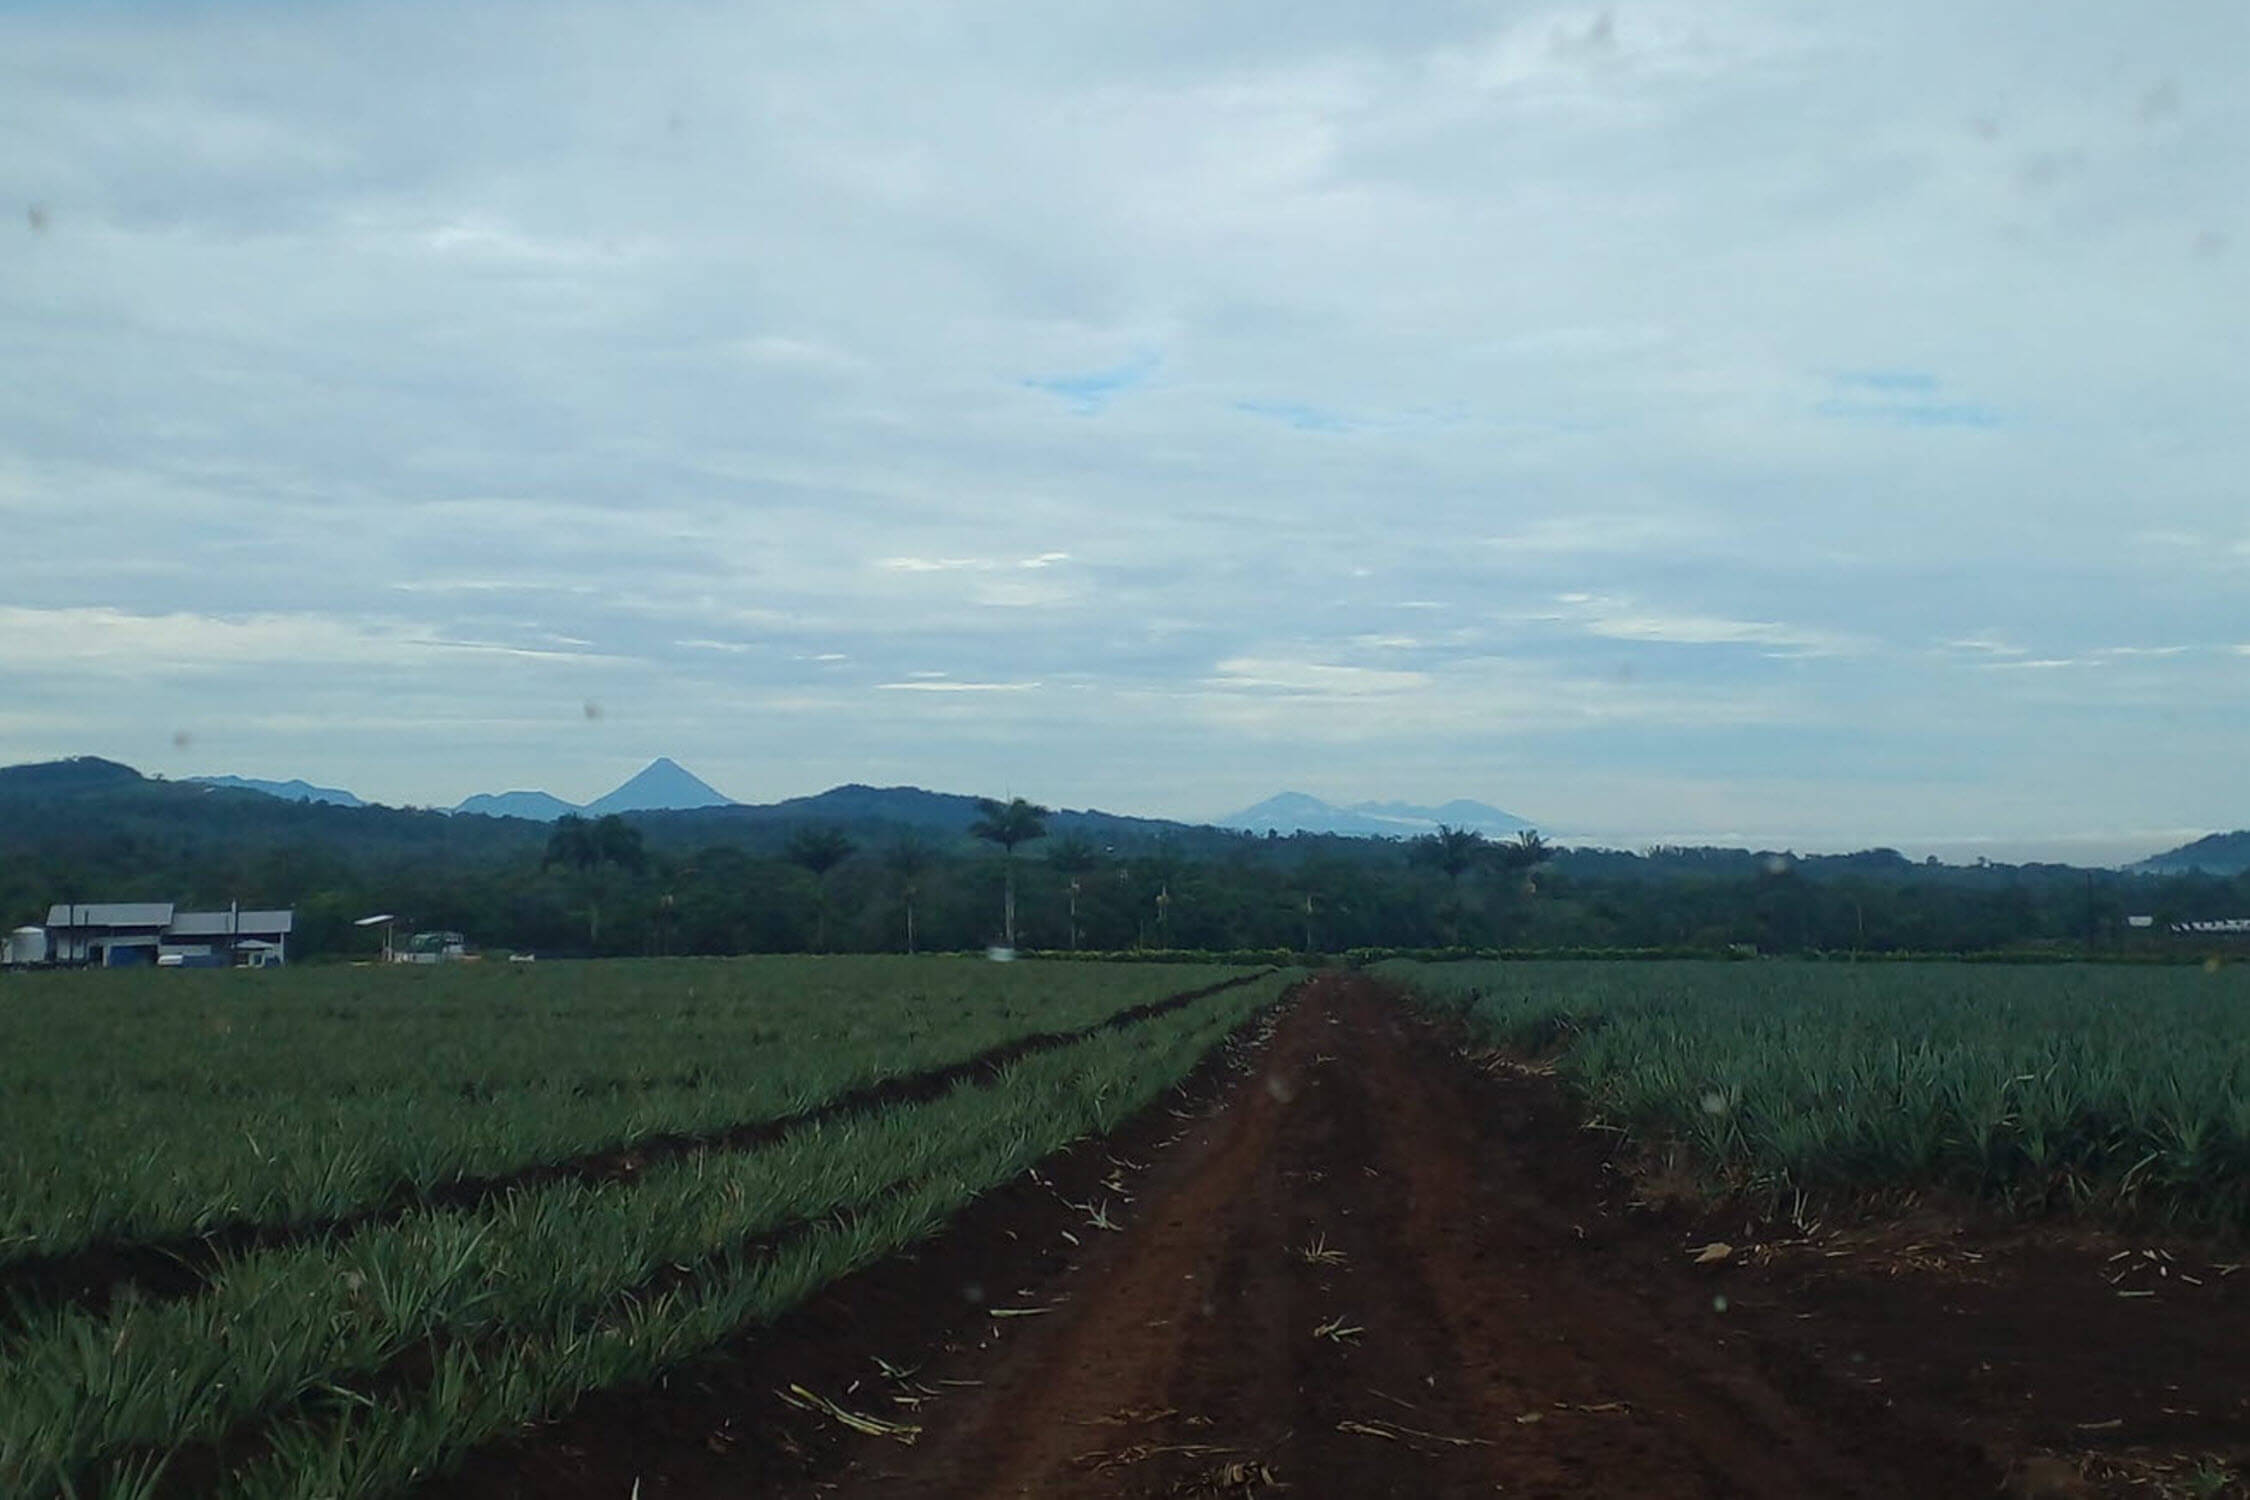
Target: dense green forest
x=865, y=869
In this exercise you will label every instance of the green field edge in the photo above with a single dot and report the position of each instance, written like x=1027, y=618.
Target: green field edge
x=2120, y=1099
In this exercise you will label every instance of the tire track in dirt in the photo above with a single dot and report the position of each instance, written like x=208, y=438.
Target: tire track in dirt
x=1350, y=1283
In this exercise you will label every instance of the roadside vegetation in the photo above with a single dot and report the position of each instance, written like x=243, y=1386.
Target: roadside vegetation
x=2116, y=1091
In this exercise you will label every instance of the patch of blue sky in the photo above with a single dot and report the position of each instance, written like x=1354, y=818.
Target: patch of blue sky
x=1091, y=391
x=1296, y=414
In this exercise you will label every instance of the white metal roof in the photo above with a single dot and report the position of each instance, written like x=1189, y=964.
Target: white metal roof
x=227, y=923
x=111, y=914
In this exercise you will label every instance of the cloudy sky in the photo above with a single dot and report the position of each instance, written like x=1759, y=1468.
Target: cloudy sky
x=1809, y=424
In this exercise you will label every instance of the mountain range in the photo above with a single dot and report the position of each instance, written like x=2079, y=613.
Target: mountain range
x=667, y=790
x=1296, y=812
x=287, y=791
x=663, y=785
x=673, y=804
x=88, y=803
x=682, y=807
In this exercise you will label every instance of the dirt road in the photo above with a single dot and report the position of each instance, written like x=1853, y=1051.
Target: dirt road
x=1356, y=1287
x=1364, y=1267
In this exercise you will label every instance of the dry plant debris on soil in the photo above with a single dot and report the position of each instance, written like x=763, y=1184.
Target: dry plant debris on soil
x=1524, y=1323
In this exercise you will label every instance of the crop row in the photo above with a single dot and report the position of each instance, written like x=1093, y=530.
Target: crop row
x=152, y=1107
x=2117, y=1089
x=346, y=1367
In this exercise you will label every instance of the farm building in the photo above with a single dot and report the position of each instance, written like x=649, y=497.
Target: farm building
x=116, y=934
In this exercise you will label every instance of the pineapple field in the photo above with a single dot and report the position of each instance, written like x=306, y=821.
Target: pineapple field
x=314, y=1238
x=941, y=1226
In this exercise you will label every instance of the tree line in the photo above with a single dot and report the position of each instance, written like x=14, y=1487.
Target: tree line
x=622, y=886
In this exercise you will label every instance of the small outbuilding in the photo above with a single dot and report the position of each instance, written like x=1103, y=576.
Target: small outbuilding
x=433, y=948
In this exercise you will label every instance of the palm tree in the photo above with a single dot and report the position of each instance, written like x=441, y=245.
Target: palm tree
x=908, y=860
x=1456, y=851
x=1525, y=852
x=818, y=850
x=1009, y=824
x=1521, y=855
x=1073, y=857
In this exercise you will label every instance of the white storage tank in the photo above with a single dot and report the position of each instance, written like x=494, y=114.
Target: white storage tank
x=26, y=945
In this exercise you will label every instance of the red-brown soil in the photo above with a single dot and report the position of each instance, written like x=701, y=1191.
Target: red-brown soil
x=1356, y=1265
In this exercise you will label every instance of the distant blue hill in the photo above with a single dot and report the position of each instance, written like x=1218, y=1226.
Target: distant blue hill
x=287, y=791
x=539, y=807
x=663, y=785
x=2213, y=854
x=875, y=810
x=1296, y=812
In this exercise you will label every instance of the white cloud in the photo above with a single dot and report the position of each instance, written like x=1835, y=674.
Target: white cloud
x=793, y=353
x=492, y=240
x=1023, y=594
x=1624, y=620
x=1316, y=678
x=1985, y=645
x=101, y=639
x=969, y=564
x=925, y=685
x=1551, y=536
x=519, y=357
